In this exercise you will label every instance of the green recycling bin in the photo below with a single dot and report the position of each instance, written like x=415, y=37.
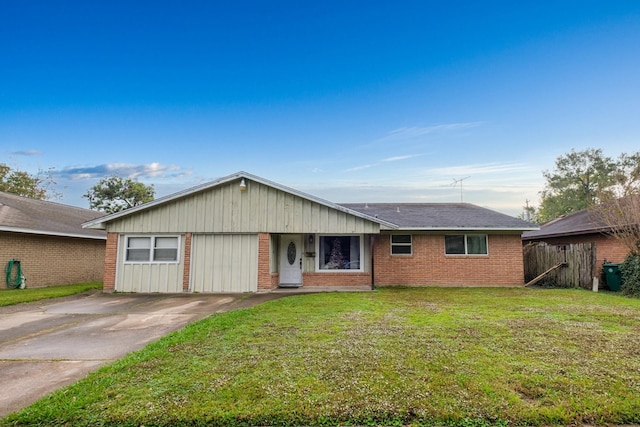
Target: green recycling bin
x=612, y=276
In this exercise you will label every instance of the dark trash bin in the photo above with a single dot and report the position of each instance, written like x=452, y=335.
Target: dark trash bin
x=612, y=276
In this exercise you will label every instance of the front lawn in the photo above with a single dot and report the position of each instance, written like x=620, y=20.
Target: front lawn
x=17, y=296
x=429, y=356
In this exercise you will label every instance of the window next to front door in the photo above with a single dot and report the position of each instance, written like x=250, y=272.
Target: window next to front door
x=340, y=253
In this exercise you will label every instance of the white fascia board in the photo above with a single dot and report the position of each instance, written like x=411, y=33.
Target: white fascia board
x=98, y=223
x=50, y=233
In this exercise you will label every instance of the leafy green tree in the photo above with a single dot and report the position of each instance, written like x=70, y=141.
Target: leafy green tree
x=26, y=185
x=115, y=194
x=580, y=179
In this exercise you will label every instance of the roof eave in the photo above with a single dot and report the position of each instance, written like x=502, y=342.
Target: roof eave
x=518, y=229
x=569, y=233
x=51, y=233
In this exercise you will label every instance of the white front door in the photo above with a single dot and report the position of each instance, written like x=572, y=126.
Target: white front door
x=290, y=260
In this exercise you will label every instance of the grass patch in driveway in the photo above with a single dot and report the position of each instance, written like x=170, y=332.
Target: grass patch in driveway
x=426, y=356
x=17, y=296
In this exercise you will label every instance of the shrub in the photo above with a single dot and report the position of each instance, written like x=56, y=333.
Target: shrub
x=630, y=270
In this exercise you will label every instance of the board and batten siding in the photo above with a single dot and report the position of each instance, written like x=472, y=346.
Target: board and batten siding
x=224, y=263
x=226, y=209
x=149, y=277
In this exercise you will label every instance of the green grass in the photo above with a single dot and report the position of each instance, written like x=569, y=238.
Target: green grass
x=17, y=296
x=428, y=356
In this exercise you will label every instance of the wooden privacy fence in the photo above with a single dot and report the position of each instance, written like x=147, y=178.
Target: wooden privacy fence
x=566, y=266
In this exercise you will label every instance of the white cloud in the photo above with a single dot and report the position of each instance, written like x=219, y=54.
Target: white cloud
x=28, y=153
x=141, y=171
x=397, y=158
x=416, y=131
x=362, y=167
x=481, y=169
x=387, y=160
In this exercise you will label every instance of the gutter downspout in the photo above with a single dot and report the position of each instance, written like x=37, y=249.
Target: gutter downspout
x=371, y=245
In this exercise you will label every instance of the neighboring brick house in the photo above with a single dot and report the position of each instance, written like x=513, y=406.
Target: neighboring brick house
x=243, y=233
x=580, y=227
x=49, y=241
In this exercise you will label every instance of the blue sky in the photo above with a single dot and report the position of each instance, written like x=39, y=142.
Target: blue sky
x=349, y=101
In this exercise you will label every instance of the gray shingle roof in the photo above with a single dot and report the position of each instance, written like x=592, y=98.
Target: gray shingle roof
x=441, y=216
x=582, y=222
x=25, y=215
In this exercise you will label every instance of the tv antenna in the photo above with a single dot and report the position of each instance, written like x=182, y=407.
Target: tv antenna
x=459, y=181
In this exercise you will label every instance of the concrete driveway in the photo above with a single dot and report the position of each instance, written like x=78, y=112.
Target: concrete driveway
x=50, y=344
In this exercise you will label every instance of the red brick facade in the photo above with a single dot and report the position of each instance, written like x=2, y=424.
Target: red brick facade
x=336, y=279
x=187, y=262
x=110, y=261
x=53, y=260
x=428, y=264
x=265, y=278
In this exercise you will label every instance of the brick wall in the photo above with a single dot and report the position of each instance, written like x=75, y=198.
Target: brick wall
x=51, y=260
x=428, y=265
x=187, y=262
x=336, y=279
x=265, y=278
x=110, y=262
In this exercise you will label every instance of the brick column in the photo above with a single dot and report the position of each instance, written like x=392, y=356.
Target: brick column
x=187, y=262
x=110, y=262
x=264, y=262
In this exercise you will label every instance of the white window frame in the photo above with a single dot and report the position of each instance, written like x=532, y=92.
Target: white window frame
x=339, y=271
x=466, y=244
x=152, y=248
x=401, y=244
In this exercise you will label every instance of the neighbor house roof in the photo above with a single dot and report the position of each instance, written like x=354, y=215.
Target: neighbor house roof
x=99, y=223
x=441, y=216
x=24, y=215
x=582, y=222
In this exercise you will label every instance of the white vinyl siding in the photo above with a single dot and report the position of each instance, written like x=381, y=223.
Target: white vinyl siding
x=226, y=209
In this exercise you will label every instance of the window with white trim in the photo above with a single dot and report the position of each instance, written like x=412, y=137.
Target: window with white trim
x=339, y=253
x=466, y=244
x=152, y=249
x=401, y=244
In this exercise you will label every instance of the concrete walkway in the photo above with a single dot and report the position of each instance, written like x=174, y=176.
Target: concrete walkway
x=52, y=343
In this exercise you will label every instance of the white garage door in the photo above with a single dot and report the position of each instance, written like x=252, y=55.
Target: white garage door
x=224, y=263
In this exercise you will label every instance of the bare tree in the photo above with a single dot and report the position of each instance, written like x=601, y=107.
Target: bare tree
x=622, y=216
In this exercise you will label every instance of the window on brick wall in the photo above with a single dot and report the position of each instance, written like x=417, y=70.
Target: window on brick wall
x=401, y=244
x=152, y=249
x=466, y=244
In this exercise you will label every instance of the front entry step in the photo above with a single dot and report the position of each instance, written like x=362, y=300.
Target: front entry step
x=290, y=285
